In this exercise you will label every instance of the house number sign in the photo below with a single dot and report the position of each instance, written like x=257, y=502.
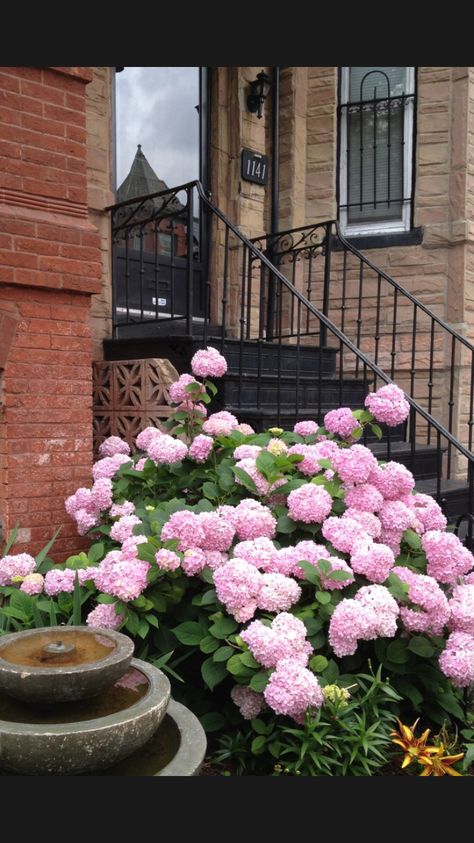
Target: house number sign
x=254, y=166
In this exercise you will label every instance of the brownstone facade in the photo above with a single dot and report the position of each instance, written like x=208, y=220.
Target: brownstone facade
x=56, y=179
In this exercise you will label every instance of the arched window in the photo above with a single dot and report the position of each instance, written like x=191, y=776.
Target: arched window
x=376, y=145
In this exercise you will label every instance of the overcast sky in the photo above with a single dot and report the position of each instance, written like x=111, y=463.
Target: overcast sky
x=155, y=106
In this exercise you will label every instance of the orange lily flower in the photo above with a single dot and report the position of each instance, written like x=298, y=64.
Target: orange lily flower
x=415, y=748
x=439, y=764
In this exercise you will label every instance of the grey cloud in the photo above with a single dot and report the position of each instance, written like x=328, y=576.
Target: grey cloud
x=156, y=107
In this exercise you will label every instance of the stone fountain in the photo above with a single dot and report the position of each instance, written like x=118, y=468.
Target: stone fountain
x=74, y=701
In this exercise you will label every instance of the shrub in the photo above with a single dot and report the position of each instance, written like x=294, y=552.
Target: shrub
x=273, y=563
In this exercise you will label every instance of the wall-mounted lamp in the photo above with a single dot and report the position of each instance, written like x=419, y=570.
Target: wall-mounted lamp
x=259, y=90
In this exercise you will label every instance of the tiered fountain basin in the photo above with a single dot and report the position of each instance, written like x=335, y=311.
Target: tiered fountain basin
x=35, y=669
x=112, y=729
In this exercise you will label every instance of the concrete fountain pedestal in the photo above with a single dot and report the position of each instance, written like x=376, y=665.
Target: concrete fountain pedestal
x=129, y=727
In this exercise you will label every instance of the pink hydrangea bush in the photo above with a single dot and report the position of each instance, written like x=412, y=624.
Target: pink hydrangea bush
x=278, y=556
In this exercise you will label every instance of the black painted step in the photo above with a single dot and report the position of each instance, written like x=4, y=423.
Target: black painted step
x=273, y=358
x=165, y=328
x=249, y=391
x=278, y=359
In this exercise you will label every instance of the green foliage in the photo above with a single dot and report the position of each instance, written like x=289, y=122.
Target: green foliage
x=179, y=625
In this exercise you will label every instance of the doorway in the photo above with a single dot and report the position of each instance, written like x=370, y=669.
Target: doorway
x=162, y=142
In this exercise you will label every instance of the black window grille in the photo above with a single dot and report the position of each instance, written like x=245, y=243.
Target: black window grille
x=376, y=125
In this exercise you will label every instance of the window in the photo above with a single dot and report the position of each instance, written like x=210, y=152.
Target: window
x=376, y=149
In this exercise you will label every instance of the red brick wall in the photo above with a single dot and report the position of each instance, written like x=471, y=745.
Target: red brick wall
x=49, y=267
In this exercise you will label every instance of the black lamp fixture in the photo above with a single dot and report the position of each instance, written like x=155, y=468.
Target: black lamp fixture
x=259, y=91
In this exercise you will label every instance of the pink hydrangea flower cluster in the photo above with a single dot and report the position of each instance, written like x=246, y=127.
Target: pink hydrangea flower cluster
x=461, y=607
x=16, y=565
x=130, y=546
x=393, y=540
x=101, y=494
x=123, y=528
x=373, y=560
x=312, y=454
x=119, y=509
x=245, y=452
x=337, y=564
x=238, y=585
x=259, y=552
x=204, y=530
x=166, y=450
x=125, y=579
x=85, y=505
x=447, y=558
x=249, y=702
x=431, y=611
x=243, y=589
x=343, y=533
x=208, y=363
x=457, y=659
x=428, y=512
x=113, y=445
x=393, y=480
x=278, y=593
x=371, y=613
x=200, y=448
x=364, y=497
x=108, y=466
x=291, y=689
x=284, y=639
x=395, y=515
x=167, y=560
x=263, y=486
x=310, y=504
x=309, y=465
x=354, y=464
x=185, y=527
x=388, y=405
x=215, y=558
x=81, y=507
x=306, y=428
x=32, y=584
x=367, y=520
x=105, y=616
x=285, y=561
x=57, y=580
x=244, y=428
x=341, y=422
x=220, y=424
x=146, y=436
x=178, y=392
x=194, y=561
x=218, y=533
x=251, y=519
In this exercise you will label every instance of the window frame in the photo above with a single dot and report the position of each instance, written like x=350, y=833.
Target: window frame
x=380, y=226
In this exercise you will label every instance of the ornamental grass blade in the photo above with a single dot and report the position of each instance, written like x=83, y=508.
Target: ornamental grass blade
x=44, y=552
x=11, y=539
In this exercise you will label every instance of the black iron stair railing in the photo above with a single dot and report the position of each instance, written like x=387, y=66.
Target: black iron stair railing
x=273, y=296
x=432, y=361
